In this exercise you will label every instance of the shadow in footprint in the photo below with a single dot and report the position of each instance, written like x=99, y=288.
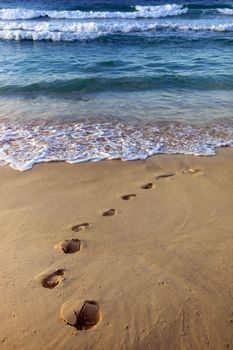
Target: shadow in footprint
x=81, y=314
x=80, y=227
x=148, y=186
x=109, y=212
x=127, y=197
x=164, y=176
x=53, y=280
x=69, y=246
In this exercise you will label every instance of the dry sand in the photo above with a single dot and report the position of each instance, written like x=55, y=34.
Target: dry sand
x=157, y=268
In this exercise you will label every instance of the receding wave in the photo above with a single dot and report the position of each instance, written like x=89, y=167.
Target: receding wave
x=74, y=31
x=24, y=144
x=140, y=12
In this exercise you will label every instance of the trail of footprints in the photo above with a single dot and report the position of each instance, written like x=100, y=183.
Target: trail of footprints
x=84, y=314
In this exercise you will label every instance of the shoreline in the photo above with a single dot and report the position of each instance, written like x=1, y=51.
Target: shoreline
x=152, y=247
x=24, y=145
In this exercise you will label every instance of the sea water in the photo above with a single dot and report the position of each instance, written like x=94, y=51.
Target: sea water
x=92, y=80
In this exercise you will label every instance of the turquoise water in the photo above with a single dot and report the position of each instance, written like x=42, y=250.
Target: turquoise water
x=91, y=80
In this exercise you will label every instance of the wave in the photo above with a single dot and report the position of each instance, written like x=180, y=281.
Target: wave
x=56, y=31
x=140, y=12
x=130, y=83
x=226, y=11
x=86, y=6
x=24, y=144
x=207, y=6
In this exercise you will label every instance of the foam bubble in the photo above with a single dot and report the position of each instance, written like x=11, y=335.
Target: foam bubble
x=56, y=31
x=141, y=12
x=226, y=11
x=23, y=144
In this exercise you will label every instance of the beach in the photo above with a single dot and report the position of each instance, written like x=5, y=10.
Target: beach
x=146, y=245
x=116, y=175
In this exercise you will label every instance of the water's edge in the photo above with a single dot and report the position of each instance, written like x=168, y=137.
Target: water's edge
x=23, y=144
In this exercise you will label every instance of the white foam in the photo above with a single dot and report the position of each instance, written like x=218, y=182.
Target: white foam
x=55, y=31
x=161, y=11
x=226, y=11
x=24, y=144
x=141, y=12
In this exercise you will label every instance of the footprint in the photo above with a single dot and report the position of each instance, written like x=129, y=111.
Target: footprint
x=80, y=227
x=193, y=171
x=109, y=212
x=52, y=280
x=81, y=314
x=164, y=176
x=126, y=197
x=148, y=186
x=69, y=246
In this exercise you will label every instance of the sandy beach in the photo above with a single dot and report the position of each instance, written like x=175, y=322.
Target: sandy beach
x=118, y=255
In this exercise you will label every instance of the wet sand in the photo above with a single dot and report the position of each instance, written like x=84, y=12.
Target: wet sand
x=118, y=255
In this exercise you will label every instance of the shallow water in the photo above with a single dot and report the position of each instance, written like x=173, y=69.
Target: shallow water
x=102, y=68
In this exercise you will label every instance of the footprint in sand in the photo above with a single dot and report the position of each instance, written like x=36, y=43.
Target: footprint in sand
x=165, y=176
x=148, y=186
x=69, y=246
x=127, y=197
x=194, y=171
x=81, y=314
x=109, y=212
x=80, y=227
x=54, y=279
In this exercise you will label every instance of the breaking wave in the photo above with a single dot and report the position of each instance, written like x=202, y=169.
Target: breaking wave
x=226, y=11
x=74, y=31
x=139, y=12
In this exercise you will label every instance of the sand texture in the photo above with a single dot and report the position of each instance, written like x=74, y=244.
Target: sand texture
x=118, y=255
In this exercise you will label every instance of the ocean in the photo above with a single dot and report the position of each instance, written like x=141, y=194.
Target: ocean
x=93, y=80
